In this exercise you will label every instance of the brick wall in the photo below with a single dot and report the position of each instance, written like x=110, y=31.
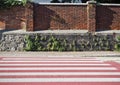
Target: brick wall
x=108, y=18
x=61, y=17
x=10, y=19
x=90, y=16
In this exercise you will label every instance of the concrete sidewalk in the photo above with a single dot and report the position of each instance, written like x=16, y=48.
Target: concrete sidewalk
x=103, y=55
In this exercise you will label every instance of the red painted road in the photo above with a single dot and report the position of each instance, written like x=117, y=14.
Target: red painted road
x=58, y=71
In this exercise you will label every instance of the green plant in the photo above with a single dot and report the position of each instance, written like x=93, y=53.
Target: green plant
x=29, y=43
x=10, y=3
x=15, y=2
x=33, y=44
x=55, y=45
x=36, y=43
x=74, y=45
x=117, y=44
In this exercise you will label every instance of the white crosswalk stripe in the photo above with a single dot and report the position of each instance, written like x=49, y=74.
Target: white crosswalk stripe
x=51, y=61
x=60, y=68
x=59, y=73
x=55, y=64
x=61, y=80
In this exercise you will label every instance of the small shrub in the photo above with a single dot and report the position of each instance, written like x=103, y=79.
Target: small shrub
x=117, y=45
x=29, y=43
x=53, y=44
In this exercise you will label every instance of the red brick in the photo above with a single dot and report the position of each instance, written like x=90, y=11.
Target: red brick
x=61, y=17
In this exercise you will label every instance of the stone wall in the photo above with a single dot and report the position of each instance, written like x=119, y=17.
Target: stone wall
x=70, y=42
x=12, y=42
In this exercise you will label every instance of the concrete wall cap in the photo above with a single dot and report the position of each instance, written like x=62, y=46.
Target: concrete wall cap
x=91, y=2
x=63, y=4
x=106, y=4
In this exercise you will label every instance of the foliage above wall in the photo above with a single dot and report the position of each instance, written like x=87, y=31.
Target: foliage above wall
x=10, y=3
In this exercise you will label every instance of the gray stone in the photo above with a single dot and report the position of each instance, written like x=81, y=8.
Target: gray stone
x=83, y=42
x=21, y=45
x=13, y=49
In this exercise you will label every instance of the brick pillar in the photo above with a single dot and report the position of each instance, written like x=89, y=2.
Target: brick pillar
x=29, y=15
x=91, y=16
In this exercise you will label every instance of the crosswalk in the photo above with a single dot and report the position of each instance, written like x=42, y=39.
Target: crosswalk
x=59, y=70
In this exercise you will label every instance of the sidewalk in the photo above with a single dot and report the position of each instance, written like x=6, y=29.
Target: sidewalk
x=103, y=55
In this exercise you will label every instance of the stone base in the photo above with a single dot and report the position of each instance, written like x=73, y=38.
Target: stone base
x=69, y=42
